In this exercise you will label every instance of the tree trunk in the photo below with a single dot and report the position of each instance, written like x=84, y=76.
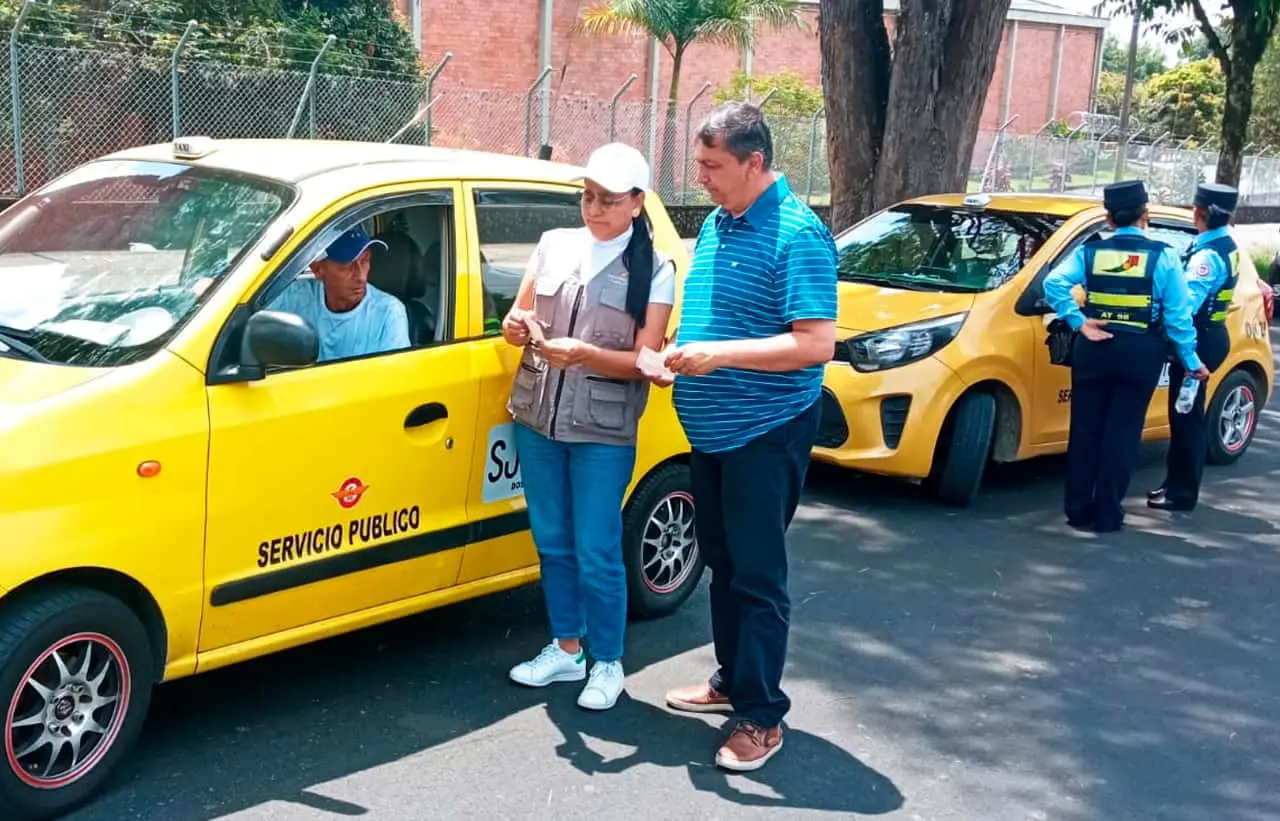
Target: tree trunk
x=903, y=124
x=944, y=59
x=1235, y=122
x=667, y=154
x=855, y=73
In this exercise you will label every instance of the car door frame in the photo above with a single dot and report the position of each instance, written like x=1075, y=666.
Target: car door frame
x=229, y=352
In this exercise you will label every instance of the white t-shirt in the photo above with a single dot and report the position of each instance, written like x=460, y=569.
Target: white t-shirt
x=597, y=254
x=377, y=324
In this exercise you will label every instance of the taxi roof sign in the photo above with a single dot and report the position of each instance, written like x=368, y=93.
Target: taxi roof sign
x=978, y=200
x=193, y=148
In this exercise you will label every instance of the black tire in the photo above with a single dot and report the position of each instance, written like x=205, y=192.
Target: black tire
x=85, y=624
x=1238, y=385
x=963, y=450
x=664, y=497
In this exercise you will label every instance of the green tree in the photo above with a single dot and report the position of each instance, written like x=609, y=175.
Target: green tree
x=903, y=121
x=1250, y=27
x=677, y=26
x=1186, y=101
x=1111, y=93
x=1115, y=58
x=1264, y=128
x=790, y=108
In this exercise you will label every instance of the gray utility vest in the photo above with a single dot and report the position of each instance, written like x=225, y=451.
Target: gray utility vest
x=578, y=405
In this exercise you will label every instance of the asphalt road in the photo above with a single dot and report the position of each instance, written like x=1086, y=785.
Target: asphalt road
x=980, y=664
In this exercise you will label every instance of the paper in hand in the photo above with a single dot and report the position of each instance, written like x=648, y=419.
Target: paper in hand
x=652, y=363
x=535, y=328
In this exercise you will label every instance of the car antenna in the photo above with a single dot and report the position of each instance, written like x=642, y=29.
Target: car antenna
x=417, y=118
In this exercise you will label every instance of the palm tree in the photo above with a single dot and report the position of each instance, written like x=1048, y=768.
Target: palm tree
x=678, y=24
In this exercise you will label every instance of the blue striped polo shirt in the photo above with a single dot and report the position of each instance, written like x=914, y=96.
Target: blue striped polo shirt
x=751, y=277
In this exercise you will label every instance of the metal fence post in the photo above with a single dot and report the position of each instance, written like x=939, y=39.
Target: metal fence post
x=1066, y=153
x=1097, y=153
x=813, y=141
x=528, y=108
x=1035, y=146
x=431, y=81
x=766, y=97
x=311, y=81
x=1151, y=157
x=613, y=105
x=173, y=77
x=997, y=149
x=688, y=116
x=15, y=90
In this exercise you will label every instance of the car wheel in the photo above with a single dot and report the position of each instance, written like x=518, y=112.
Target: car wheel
x=1232, y=418
x=660, y=548
x=76, y=672
x=963, y=450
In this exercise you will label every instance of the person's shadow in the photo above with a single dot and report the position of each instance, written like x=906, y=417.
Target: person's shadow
x=808, y=773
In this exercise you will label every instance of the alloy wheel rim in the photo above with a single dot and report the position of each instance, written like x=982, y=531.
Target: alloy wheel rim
x=1235, y=423
x=669, y=546
x=67, y=710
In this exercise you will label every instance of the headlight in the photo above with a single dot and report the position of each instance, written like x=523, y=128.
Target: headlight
x=899, y=346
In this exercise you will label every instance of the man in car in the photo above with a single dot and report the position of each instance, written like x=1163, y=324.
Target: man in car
x=350, y=316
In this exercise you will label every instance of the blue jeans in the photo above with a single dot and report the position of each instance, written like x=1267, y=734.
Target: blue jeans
x=574, y=492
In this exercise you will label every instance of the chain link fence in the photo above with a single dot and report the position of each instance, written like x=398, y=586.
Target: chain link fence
x=78, y=98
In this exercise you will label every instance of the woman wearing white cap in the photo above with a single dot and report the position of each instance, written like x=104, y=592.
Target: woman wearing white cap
x=591, y=299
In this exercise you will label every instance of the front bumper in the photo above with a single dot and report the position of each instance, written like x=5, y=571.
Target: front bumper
x=887, y=422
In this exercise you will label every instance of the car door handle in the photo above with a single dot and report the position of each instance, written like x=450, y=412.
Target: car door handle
x=426, y=414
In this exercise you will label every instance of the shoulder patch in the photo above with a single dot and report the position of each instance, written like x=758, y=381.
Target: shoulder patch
x=1202, y=271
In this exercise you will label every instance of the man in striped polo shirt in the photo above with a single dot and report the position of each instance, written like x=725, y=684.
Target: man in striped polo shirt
x=757, y=324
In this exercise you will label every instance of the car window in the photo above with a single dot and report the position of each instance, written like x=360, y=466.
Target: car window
x=407, y=301
x=509, y=223
x=103, y=266
x=1179, y=239
x=941, y=248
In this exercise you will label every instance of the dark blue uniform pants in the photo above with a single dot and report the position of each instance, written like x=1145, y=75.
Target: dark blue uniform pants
x=746, y=498
x=1184, y=463
x=1112, y=383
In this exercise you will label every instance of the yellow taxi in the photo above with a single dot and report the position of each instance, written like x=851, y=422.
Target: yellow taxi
x=941, y=365
x=185, y=486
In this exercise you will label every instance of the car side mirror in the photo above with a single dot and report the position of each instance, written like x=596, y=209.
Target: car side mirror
x=276, y=338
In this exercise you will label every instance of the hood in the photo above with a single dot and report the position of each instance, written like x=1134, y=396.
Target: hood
x=865, y=307
x=24, y=383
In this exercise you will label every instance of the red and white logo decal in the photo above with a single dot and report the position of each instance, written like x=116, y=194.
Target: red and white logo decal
x=348, y=495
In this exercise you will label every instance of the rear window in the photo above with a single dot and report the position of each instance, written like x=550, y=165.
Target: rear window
x=939, y=248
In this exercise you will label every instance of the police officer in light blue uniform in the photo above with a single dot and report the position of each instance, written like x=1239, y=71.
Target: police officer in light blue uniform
x=1136, y=302
x=1213, y=265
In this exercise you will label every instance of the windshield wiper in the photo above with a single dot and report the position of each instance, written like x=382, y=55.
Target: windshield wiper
x=905, y=283
x=12, y=343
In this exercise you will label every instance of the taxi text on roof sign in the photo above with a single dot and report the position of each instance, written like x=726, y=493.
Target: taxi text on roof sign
x=192, y=148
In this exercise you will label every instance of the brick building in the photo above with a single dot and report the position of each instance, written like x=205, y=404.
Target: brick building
x=1047, y=69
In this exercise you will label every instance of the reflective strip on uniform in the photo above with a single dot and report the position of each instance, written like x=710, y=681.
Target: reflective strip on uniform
x=1121, y=300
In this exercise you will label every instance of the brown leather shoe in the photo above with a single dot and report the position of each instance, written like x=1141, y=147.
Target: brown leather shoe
x=700, y=698
x=749, y=747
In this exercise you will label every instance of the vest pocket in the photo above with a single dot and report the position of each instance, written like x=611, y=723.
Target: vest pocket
x=601, y=403
x=525, y=387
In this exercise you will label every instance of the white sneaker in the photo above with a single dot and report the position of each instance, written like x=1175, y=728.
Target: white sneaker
x=604, y=687
x=551, y=665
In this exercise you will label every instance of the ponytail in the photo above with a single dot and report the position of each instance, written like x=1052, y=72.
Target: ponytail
x=638, y=260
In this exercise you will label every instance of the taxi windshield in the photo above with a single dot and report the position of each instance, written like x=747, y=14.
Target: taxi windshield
x=102, y=267
x=941, y=248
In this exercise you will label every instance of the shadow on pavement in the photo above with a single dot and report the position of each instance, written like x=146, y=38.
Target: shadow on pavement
x=809, y=773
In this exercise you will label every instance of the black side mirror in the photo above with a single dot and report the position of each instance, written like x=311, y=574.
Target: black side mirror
x=281, y=339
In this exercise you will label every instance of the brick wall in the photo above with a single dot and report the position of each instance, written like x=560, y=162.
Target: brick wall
x=495, y=48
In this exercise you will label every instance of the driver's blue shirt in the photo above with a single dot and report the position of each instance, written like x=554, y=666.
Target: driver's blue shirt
x=376, y=325
x=1170, y=297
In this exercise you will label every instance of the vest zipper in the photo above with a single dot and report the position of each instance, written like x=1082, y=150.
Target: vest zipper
x=573, y=321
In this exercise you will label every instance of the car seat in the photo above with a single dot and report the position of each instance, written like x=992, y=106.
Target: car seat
x=397, y=269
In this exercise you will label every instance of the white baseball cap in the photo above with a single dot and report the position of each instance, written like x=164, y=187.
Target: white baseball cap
x=618, y=168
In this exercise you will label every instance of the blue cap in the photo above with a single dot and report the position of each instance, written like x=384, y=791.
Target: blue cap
x=350, y=245
x=1130, y=195
x=1210, y=194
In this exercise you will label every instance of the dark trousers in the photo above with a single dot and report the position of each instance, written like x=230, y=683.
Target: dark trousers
x=1112, y=383
x=746, y=498
x=1184, y=462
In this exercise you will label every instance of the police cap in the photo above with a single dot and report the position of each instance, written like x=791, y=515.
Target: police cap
x=1209, y=194
x=1127, y=196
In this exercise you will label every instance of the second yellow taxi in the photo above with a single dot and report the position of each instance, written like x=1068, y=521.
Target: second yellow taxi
x=942, y=366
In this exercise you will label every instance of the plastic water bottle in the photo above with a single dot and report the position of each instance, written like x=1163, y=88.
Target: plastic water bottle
x=1187, y=394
